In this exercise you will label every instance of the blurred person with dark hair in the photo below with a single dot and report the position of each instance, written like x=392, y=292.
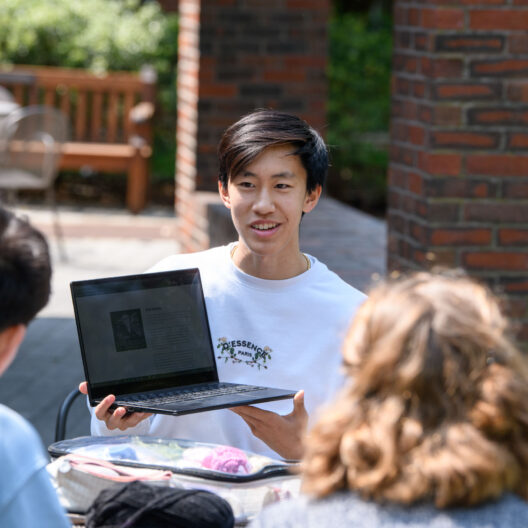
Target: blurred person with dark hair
x=277, y=315
x=432, y=428
x=27, y=497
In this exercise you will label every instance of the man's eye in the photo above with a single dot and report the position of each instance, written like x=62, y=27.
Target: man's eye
x=282, y=186
x=245, y=184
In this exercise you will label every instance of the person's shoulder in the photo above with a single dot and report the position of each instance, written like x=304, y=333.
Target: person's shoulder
x=18, y=435
x=338, y=509
x=330, y=282
x=199, y=259
x=12, y=422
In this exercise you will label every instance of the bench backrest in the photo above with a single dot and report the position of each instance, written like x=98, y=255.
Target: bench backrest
x=98, y=106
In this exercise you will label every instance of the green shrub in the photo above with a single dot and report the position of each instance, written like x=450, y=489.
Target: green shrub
x=100, y=35
x=359, y=107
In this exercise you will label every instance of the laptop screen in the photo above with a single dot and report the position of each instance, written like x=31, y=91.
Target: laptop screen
x=143, y=332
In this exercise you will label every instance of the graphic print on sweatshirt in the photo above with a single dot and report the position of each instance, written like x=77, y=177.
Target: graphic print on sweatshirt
x=243, y=351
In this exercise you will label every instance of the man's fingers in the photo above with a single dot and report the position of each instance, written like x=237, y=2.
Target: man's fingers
x=102, y=409
x=254, y=413
x=298, y=402
x=83, y=387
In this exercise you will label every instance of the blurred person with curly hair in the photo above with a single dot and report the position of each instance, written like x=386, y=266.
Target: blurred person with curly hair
x=432, y=426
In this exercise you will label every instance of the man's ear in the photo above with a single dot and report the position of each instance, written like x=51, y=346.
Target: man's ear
x=311, y=199
x=10, y=339
x=224, y=194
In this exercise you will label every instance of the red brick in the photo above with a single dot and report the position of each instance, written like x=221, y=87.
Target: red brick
x=285, y=76
x=514, y=307
x=518, y=43
x=425, y=113
x=402, y=155
x=421, y=41
x=442, y=68
x=459, y=188
x=419, y=89
x=497, y=116
x=439, y=211
x=496, y=212
x=404, y=63
x=446, y=258
x=478, y=3
x=447, y=115
x=417, y=135
x=397, y=177
x=500, y=68
x=517, y=140
x=465, y=43
x=497, y=165
x=218, y=90
x=488, y=260
x=513, y=237
x=443, y=18
x=496, y=19
x=414, y=17
x=467, y=91
x=401, y=85
x=466, y=140
x=517, y=92
x=400, y=16
x=396, y=222
x=418, y=232
x=460, y=237
x=440, y=164
x=517, y=190
x=415, y=183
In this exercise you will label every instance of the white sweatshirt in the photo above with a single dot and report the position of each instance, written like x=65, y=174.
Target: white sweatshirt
x=278, y=333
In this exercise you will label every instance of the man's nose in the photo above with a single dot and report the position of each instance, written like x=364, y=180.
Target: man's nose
x=264, y=203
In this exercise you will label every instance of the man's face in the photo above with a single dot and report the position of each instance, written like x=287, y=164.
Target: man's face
x=267, y=199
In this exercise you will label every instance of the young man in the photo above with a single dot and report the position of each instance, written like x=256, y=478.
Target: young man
x=277, y=315
x=27, y=497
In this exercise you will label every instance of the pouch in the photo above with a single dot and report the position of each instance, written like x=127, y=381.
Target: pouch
x=78, y=479
x=247, y=481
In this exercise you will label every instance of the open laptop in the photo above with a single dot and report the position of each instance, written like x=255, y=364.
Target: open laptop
x=146, y=339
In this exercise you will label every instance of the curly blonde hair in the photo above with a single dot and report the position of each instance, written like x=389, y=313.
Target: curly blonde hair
x=436, y=406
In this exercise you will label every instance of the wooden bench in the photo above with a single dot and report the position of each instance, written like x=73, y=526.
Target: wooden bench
x=110, y=117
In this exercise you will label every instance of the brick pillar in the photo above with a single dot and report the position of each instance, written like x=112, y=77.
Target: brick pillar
x=235, y=56
x=458, y=177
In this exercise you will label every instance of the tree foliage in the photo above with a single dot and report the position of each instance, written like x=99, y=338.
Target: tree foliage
x=359, y=106
x=95, y=34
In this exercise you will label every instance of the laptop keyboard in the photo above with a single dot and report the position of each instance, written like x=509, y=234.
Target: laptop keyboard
x=195, y=393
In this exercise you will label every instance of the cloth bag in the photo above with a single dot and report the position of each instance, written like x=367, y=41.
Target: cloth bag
x=78, y=479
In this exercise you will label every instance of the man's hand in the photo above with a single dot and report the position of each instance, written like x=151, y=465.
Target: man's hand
x=117, y=418
x=284, y=434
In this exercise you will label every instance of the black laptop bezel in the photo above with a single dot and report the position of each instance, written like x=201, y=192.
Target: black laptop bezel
x=98, y=391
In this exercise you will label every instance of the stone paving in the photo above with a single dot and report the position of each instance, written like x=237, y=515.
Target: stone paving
x=104, y=243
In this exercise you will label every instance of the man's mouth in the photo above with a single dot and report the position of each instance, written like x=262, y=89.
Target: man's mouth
x=264, y=227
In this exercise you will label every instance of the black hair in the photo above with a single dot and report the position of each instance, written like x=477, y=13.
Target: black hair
x=25, y=271
x=243, y=141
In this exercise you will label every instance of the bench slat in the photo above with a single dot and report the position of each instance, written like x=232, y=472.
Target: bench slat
x=80, y=117
x=97, y=104
x=112, y=117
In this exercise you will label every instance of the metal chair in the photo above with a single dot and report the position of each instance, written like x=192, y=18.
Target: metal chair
x=62, y=415
x=31, y=139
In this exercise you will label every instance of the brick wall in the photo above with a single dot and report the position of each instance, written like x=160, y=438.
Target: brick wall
x=458, y=177
x=235, y=56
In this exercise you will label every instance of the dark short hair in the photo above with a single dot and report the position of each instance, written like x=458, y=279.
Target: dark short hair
x=243, y=141
x=25, y=271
